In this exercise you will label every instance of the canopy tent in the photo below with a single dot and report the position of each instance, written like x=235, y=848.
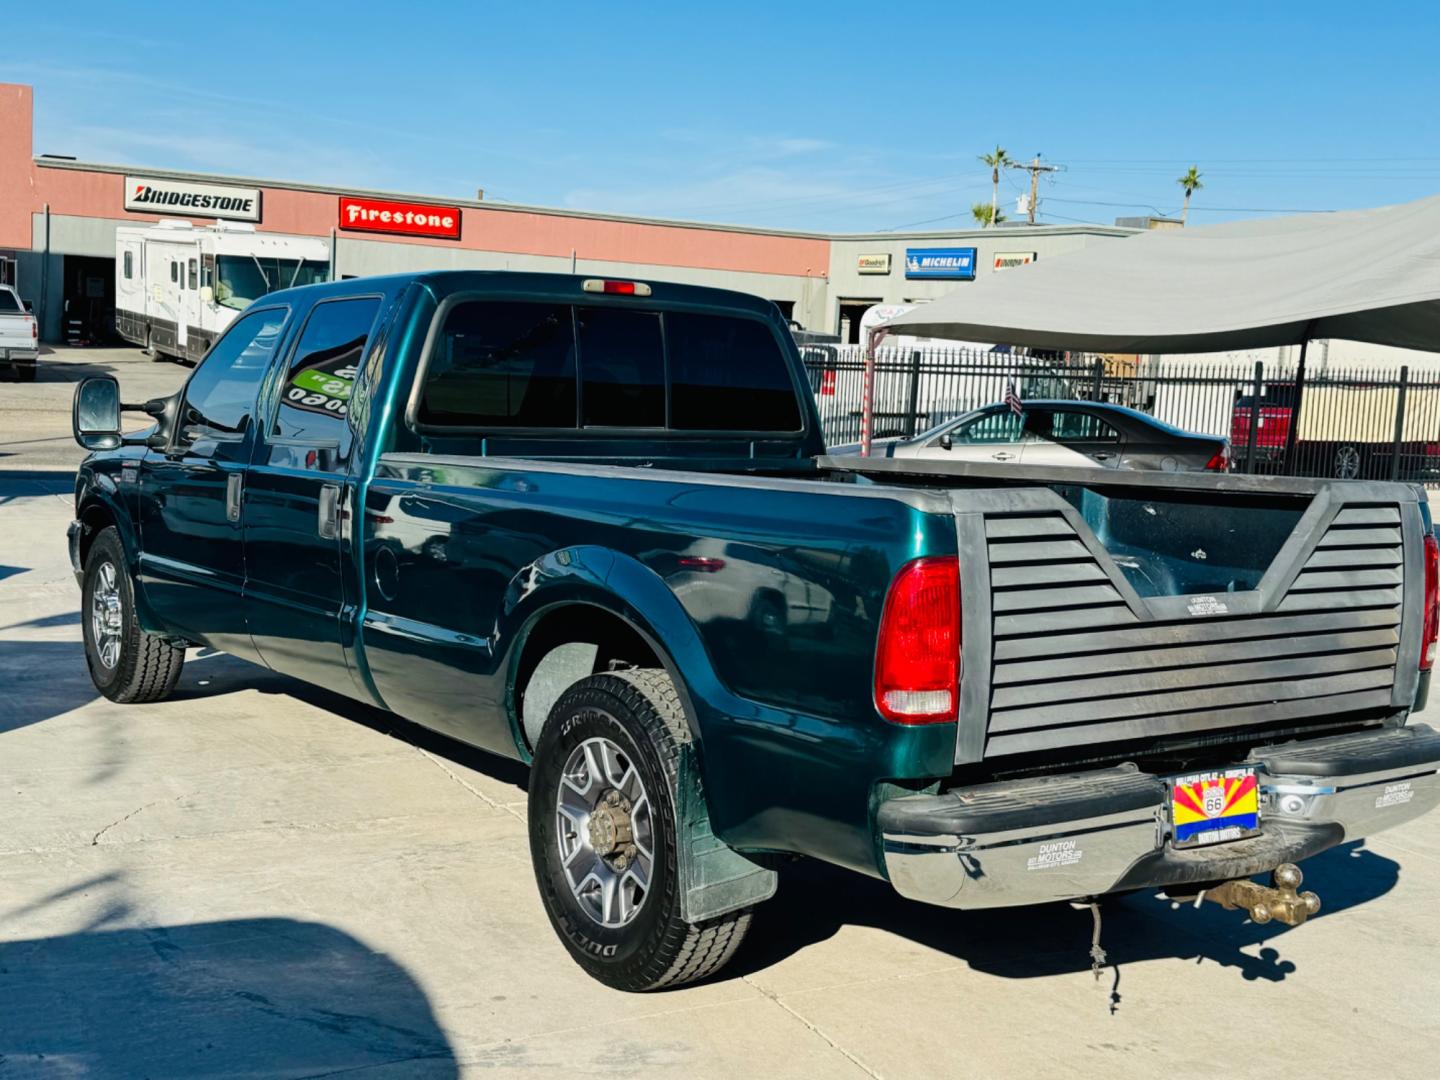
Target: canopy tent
x=1360, y=275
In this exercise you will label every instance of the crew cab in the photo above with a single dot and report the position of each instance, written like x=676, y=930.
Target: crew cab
x=588, y=524
x=19, y=335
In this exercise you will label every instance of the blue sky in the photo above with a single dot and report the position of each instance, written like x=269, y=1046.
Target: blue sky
x=836, y=116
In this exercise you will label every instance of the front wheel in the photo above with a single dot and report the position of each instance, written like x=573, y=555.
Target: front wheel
x=603, y=835
x=126, y=663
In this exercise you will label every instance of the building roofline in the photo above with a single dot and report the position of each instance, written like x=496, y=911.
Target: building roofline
x=48, y=162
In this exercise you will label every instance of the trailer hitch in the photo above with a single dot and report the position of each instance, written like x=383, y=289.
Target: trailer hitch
x=1278, y=901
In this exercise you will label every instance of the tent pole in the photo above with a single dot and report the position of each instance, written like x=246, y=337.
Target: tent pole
x=1294, y=430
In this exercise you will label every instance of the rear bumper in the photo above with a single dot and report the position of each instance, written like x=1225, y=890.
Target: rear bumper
x=1057, y=838
x=19, y=356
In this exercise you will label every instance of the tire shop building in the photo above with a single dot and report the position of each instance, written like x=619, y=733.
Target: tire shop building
x=58, y=218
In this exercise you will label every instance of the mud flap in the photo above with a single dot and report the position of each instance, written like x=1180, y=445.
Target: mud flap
x=715, y=878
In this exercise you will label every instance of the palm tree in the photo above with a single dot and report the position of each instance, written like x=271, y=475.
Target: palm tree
x=986, y=216
x=997, y=161
x=1191, y=183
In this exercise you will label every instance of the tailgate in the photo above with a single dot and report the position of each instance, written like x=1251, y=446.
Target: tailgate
x=1159, y=611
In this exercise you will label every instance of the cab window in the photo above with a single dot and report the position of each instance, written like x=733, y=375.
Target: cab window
x=316, y=393
x=220, y=397
x=1068, y=427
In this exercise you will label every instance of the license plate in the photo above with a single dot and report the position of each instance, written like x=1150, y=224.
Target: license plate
x=1213, y=807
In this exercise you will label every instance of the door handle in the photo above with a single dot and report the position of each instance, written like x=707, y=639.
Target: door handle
x=1003, y=456
x=1103, y=455
x=234, y=485
x=328, y=524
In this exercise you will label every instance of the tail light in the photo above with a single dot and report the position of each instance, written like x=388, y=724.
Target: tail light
x=917, y=657
x=1221, y=461
x=703, y=564
x=34, y=330
x=1432, y=603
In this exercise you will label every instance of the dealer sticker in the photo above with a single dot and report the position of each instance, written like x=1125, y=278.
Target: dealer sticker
x=1206, y=605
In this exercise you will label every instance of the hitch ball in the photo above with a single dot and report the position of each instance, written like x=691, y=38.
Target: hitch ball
x=1278, y=901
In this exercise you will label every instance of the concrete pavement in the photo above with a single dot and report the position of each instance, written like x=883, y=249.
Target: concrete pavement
x=259, y=879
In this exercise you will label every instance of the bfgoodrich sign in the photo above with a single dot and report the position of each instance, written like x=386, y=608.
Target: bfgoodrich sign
x=185, y=198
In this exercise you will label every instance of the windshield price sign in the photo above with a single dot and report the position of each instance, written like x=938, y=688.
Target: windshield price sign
x=948, y=264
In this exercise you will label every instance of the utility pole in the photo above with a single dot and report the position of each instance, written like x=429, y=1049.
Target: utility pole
x=1034, y=168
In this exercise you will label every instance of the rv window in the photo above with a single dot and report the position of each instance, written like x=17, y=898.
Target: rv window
x=194, y=275
x=316, y=394
x=174, y=270
x=129, y=266
x=243, y=279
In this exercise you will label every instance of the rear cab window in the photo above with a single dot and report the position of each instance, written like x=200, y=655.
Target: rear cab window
x=494, y=365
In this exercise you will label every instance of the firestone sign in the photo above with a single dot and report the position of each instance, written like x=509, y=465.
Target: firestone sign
x=146, y=195
x=403, y=218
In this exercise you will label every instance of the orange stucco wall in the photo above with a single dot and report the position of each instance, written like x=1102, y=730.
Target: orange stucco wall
x=25, y=188
x=17, y=180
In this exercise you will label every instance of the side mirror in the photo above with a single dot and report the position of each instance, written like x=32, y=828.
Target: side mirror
x=207, y=294
x=946, y=443
x=95, y=415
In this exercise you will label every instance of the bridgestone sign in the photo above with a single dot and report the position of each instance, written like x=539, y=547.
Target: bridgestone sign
x=184, y=198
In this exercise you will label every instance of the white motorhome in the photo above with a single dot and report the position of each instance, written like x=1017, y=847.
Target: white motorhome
x=178, y=285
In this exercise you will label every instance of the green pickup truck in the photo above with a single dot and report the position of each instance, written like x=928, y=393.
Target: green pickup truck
x=589, y=524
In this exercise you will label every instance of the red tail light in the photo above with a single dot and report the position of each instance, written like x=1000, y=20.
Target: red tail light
x=1432, y=603
x=1221, y=461
x=917, y=658
x=704, y=564
x=34, y=330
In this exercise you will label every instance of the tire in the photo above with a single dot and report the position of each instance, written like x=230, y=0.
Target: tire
x=25, y=372
x=768, y=614
x=638, y=713
x=126, y=664
x=1349, y=462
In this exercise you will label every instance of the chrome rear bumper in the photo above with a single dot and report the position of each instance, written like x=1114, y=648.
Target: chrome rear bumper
x=1057, y=838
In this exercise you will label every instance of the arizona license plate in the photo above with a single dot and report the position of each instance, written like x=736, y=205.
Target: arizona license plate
x=1213, y=807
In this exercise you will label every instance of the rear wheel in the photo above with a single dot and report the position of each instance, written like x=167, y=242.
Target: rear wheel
x=603, y=835
x=25, y=372
x=1348, y=462
x=126, y=663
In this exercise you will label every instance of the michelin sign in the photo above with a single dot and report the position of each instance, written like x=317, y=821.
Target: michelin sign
x=949, y=264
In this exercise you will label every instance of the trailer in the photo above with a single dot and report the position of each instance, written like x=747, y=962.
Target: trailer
x=179, y=285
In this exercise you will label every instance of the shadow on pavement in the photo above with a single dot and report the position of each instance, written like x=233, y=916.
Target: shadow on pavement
x=815, y=901
x=18, y=483
x=41, y=679
x=241, y=997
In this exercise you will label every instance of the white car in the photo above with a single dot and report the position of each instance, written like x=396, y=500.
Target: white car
x=19, y=335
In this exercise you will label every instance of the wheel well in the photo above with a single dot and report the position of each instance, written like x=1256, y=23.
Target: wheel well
x=96, y=518
x=615, y=641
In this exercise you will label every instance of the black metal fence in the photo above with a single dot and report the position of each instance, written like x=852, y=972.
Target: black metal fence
x=1355, y=422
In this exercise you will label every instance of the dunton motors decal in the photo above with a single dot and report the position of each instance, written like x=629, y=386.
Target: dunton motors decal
x=404, y=218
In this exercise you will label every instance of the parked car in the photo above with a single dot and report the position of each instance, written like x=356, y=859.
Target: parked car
x=19, y=335
x=1062, y=432
x=588, y=524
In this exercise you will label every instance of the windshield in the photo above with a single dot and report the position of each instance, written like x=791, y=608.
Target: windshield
x=240, y=280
